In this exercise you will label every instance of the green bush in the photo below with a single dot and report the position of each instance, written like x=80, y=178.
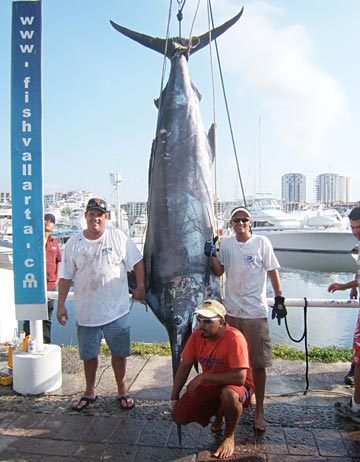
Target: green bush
x=330, y=354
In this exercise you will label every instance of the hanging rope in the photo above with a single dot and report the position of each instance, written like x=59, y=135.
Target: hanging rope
x=303, y=337
x=214, y=115
x=164, y=64
x=227, y=110
x=192, y=27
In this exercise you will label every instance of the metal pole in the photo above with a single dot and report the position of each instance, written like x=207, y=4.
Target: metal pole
x=318, y=303
x=289, y=302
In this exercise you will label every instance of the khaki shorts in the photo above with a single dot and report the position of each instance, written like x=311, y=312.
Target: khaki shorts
x=257, y=334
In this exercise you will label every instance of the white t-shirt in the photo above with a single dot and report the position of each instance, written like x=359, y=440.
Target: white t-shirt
x=246, y=265
x=98, y=269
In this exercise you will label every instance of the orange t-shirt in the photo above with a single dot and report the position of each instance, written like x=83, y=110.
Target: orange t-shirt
x=229, y=352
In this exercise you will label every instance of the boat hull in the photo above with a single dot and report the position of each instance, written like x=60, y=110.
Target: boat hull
x=314, y=249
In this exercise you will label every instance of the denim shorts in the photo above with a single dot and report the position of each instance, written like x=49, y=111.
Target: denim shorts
x=116, y=334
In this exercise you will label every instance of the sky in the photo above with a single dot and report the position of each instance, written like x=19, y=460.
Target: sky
x=291, y=77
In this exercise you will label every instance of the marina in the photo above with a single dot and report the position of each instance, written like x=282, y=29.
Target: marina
x=339, y=321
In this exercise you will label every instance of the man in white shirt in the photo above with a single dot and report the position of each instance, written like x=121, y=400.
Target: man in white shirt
x=97, y=261
x=247, y=260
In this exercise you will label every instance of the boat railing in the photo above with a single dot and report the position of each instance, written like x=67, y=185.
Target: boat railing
x=290, y=302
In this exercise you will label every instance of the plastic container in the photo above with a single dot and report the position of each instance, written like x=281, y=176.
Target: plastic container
x=31, y=346
x=24, y=346
x=10, y=356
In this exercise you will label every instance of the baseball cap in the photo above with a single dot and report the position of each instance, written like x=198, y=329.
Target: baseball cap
x=239, y=209
x=49, y=217
x=211, y=308
x=96, y=203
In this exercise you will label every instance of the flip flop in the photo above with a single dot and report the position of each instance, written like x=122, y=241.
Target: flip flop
x=125, y=404
x=84, y=399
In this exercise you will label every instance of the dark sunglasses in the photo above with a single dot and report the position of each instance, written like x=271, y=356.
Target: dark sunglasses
x=207, y=320
x=96, y=203
x=243, y=220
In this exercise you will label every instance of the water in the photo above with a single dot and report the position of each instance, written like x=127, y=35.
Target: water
x=326, y=326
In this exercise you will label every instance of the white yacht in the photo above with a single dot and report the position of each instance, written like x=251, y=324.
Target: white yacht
x=324, y=244
x=137, y=231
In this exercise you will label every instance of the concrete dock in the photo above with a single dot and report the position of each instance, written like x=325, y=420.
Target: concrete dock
x=300, y=427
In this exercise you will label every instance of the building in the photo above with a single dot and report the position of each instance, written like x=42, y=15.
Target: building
x=293, y=190
x=134, y=210
x=5, y=197
x=331, y=188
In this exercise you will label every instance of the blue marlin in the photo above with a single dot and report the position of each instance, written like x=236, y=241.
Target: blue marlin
x=180, y=202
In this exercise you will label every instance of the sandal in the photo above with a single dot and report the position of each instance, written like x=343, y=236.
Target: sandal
x=126, y=403
x=83, y=403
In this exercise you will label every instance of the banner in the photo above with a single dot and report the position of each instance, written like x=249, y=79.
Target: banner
x=26, y=162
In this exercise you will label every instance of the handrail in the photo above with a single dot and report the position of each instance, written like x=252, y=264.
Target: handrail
x=289, y=302
x=319, y=303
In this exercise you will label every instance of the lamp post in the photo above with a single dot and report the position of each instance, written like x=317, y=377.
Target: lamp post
x=116, y=179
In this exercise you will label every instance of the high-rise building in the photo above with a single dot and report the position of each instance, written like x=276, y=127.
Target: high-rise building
x=293, y=188
x=331, y=188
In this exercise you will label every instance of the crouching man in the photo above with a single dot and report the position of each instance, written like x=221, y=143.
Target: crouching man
x=225, y=385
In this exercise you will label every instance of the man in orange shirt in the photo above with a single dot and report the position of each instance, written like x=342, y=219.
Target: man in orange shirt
x=225, y=385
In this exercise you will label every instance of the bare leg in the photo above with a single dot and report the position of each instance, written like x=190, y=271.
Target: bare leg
x=259, y=376
x=119, y=367
x=232, y=410
x=90, y=368
x=357, y=384
x=218, y=423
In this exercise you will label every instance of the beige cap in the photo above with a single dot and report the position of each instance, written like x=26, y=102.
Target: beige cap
x=211, y=308
x=239, y=209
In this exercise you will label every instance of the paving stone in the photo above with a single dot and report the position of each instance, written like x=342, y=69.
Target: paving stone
x=12, y=455
x=299, y=428
x=151, y=454
x=272, y=441
x=34, y=425
x=100, y=429
x=7, y=419
x=190, y=435
x=207, y=440
x=351, y=440
x=330, y=443
x=73, y=427
x=128, y=431
x=119, y=452
x=301, y=442
x=299, y=458
x=41, y=446
x=155, y=434
x=87, y=450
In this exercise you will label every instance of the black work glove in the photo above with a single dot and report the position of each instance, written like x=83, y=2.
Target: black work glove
x=279, y=309
x=210, y=247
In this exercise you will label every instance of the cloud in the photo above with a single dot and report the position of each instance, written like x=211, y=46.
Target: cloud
x=275, y=63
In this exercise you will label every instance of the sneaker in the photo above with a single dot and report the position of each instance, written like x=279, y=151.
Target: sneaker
x=349, y=377
x=345, y=410
x=349, y=380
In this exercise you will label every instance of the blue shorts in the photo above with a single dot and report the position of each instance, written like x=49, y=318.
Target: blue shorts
x=116, y=334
